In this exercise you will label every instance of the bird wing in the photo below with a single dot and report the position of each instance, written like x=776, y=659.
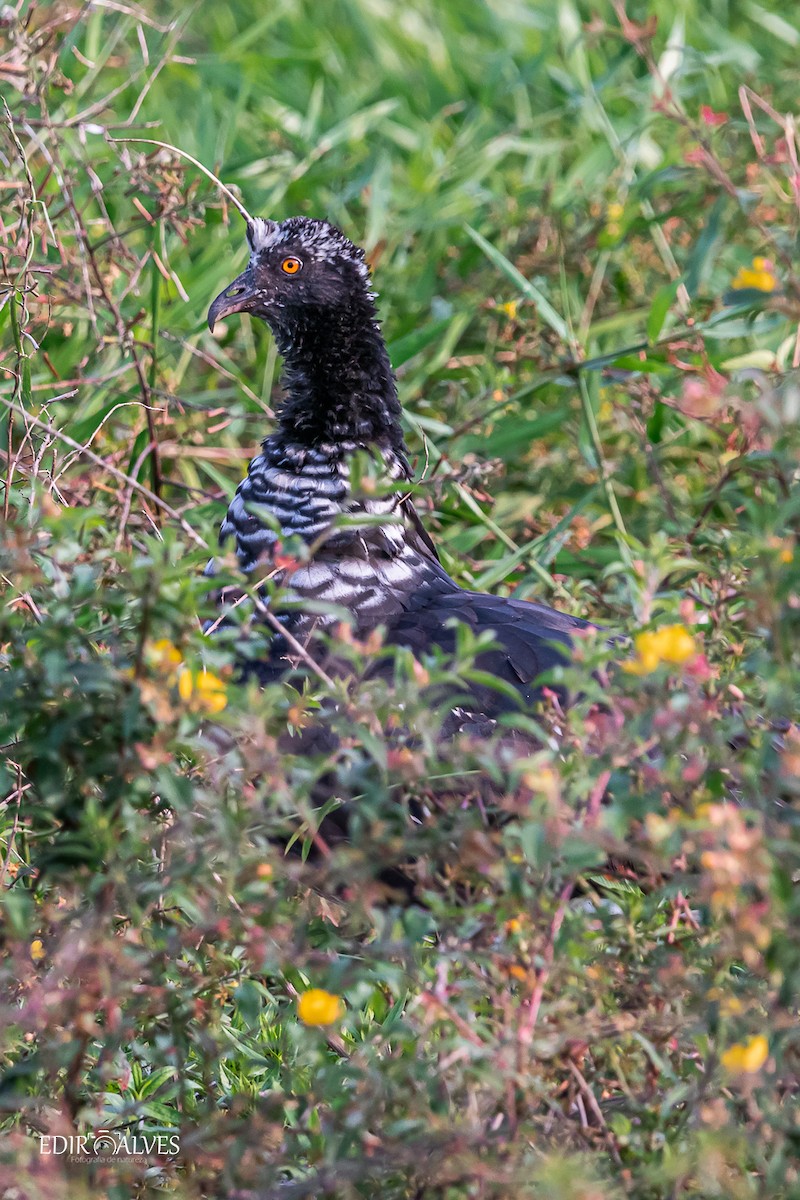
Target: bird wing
x=530, y=638
x=418, y=534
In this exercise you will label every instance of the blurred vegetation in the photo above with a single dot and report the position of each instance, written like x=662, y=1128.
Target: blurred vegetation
x=583, y=222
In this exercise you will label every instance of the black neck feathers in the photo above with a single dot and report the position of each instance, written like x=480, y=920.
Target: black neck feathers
x=338, y=381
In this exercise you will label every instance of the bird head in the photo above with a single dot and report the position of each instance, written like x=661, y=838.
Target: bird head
x=295, y=264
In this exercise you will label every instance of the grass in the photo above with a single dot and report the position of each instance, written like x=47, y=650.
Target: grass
x=598, y=994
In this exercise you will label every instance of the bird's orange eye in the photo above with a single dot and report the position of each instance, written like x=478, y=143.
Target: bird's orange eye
x=291, y=266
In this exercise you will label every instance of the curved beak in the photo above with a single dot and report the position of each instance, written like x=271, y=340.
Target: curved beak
x=236, y=297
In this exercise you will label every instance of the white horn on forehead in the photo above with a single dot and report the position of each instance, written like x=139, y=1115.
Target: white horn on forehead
x=261, y=233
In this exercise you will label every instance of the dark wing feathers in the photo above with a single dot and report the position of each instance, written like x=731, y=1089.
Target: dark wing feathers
x=417, y=531
x=531, y=638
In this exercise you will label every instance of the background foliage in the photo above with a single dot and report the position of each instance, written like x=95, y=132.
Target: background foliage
x=583, y=223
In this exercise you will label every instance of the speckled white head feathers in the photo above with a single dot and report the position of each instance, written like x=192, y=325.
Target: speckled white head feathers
x=318, y=239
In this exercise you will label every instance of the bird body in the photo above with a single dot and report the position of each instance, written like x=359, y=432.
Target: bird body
x=371, y=555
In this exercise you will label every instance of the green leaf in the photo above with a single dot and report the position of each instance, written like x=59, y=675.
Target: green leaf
x=656, y=423
x=701, y=257
x=403, y=349
x=659, y=309
x=26, y=382
x=527, y=289
x=248, y=1001
x=513, y=435
x=154, y=1081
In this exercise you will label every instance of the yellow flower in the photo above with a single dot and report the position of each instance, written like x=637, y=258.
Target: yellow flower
x=614, y=216
x=785, y=548
x=729, y=1006
x=675, y=644
x=672, y=644
x=647, y=659
x=210, y=692
x=164, y=655
x=544, y=782
x=745, y=1058
x=37, y=950
x=185, y=686
x=606, y=411
x=318, y=1007
x=202, y=692
x=510, y=309
x=760, y=276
